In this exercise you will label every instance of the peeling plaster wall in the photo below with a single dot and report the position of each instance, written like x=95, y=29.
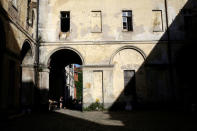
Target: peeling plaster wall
x=101, y=51
x=93, y=54
x=80, y=17
x=16, y=28
x=102, y=58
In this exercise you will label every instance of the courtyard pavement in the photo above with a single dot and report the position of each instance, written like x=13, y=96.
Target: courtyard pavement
x=68, y=120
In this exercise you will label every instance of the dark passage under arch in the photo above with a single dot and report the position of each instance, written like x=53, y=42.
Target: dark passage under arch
x=61, y=79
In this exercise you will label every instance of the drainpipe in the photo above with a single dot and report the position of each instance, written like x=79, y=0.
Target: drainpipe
x=37, y=57
x=169, y=53
x=37, y=44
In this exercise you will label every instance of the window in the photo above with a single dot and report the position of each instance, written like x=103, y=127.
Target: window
x=127, y=20
x=129, y=82
x=30, y=14
x=157, y=21
x=189, y=25
x=187, y=13
x=96, y=23
x=14, y=3
x=65, y=21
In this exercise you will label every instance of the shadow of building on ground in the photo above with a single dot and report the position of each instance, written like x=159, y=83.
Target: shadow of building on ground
x=133, y=121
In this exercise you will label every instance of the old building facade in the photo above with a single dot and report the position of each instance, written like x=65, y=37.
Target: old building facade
x=128, y=49
x=18, y=33
x=115, y=41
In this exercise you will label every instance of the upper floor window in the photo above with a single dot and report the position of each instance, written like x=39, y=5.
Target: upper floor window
x=189, y=23
x=30, y=13
x=127, y=20
x=65, y=21
x=187, y=14
x=129, y=83
x=157, y=21
x=96, y=22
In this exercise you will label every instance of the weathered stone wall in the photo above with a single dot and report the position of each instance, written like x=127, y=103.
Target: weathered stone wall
x=109, y=52
x=106, y=50
x=16, y=34
x=111, y=20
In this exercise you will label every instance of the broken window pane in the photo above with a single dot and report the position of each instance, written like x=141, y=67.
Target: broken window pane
x=127, y=20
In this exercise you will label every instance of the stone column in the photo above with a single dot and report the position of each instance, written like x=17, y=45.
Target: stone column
x=43, y=87
x=27, y=86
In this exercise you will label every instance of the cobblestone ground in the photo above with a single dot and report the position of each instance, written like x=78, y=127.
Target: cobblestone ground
x=66, y=120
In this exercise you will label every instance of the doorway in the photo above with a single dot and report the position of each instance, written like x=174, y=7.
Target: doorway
x=65, y=80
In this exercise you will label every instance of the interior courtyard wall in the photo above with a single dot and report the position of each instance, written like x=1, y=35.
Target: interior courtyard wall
x=97, y=49
x=16, y=33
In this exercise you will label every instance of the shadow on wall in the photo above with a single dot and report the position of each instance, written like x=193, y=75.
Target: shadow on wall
x=170, y=68
x=2, y=46
x=10, y=65
x=27, y=96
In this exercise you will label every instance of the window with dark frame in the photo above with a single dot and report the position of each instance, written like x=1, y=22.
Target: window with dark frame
x=127, y=20
x=30, y=14
x=188, y=22
x=129, y=82
x=65, y=21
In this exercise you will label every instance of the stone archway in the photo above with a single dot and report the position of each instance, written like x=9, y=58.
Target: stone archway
x=127, y=61
x=62, y=66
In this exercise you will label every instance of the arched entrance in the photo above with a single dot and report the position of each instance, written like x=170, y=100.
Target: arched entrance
x=64, y=80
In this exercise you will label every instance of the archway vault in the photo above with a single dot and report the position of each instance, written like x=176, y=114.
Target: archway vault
x=26, y=46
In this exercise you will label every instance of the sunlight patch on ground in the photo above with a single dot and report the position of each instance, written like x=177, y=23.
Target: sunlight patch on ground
x=102, y=118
